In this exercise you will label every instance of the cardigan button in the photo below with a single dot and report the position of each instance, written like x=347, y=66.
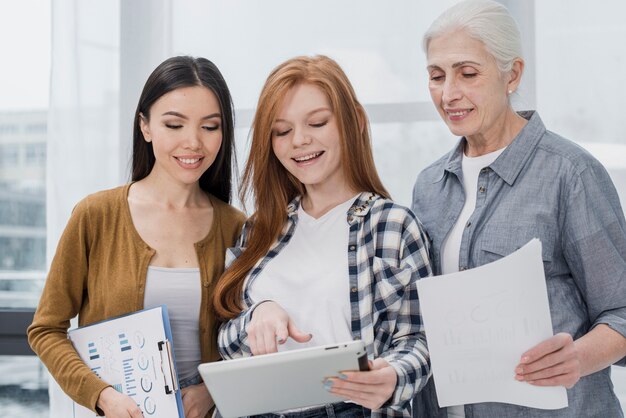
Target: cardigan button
x=205, y=284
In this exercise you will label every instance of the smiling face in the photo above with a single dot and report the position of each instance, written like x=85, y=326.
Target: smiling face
x=306, y=140
x=467, y=87
x=185, y=129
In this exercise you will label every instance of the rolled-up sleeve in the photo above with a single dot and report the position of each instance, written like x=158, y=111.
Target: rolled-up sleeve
x=408, y=352
x=594, y=244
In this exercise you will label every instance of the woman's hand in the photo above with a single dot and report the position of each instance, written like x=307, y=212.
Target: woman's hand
x=370, y=389
x=117, y=405
x=270, y=325
x=196, y=401
x=553, y=362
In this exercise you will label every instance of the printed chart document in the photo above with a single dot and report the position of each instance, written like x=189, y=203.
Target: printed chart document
x=133, y=353
x=478, y=324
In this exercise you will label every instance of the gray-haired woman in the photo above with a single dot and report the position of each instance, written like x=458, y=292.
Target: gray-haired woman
x=507, y=181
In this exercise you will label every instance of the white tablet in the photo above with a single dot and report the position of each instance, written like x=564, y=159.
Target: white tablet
x=279, y=381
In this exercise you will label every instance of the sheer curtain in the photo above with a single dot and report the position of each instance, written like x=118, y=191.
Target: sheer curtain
x=83, y=134
x=95, y=83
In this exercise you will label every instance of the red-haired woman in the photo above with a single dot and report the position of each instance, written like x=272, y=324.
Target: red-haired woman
x=327, y=256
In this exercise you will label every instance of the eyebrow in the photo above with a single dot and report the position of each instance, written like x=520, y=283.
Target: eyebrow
x=455, y=65
x=462, y=63
x=180, y=115
x=320, y=109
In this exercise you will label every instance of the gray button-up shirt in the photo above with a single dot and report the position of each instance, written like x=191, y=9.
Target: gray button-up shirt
x=547, y=187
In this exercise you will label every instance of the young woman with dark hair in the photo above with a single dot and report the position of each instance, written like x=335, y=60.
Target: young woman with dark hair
x=160, y=239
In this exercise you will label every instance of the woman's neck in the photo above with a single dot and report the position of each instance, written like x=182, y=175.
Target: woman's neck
x=497, y=137
x=169, y=194
x=318, y=202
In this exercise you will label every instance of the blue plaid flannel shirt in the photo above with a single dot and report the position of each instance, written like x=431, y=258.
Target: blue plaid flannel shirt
x=387, y=253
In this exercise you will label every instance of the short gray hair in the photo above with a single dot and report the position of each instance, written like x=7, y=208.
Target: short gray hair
x=485, y=20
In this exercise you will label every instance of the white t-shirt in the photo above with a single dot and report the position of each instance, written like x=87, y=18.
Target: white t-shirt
x=451, y=248
x=179, y=289
x=471, y=167
x=309, y=278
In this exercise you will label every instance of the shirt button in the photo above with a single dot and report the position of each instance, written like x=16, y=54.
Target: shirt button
x=468, y=225
x=484, y=170
x=354, y=290
x=352, y=247
x=481, y=189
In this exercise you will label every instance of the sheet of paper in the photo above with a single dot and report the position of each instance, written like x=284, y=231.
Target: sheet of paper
x=125, y=353
x=479, y=322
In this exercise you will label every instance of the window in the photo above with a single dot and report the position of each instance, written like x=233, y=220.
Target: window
x=36, y=154
x=23, y=120
x=9, y=155
x=37, y=128
x=8, y=129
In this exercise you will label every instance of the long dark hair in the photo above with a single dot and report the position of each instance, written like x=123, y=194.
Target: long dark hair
x=172, y=74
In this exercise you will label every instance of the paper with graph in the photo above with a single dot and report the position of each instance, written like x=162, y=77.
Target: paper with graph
x=133, y=354
x=478, y=324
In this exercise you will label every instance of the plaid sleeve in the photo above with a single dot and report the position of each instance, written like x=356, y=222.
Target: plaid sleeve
x=232, y=339
x=232, y=336
x=408, y=353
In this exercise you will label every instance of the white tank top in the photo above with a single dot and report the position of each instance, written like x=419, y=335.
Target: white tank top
x=179, y=289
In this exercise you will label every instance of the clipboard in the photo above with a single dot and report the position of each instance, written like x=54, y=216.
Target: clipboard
x=134, y=354
x=278, y=381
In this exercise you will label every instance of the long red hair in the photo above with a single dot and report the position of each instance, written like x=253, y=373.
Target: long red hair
x=271, y=186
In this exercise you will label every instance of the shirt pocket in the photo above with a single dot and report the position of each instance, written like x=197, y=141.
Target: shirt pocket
x=390, y=285
x=501, y=240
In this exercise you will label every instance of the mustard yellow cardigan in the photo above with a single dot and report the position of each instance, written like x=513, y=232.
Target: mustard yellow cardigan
x=99, y=272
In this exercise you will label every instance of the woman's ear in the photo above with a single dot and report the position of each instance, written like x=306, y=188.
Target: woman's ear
x=145, y=128
x=515, y=75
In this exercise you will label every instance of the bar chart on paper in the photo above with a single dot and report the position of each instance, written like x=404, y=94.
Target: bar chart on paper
x=133, y=355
